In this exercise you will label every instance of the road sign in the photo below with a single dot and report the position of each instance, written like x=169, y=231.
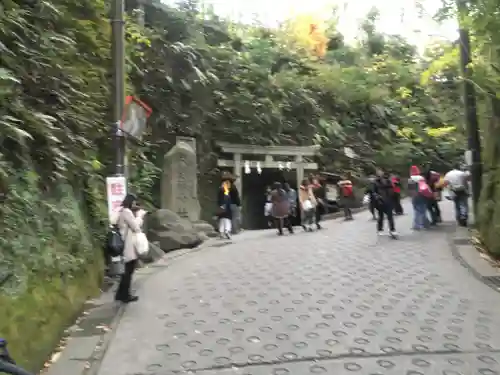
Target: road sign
x=116, y=189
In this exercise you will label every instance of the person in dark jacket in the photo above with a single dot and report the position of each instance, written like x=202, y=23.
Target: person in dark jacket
x=227, y=196
x=281, y=208
x=384, y=201
x=320, y=194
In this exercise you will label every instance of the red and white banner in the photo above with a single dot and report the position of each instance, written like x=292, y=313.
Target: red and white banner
x=116, y=189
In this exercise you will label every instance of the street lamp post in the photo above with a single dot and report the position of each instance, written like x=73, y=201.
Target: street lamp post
x=118, y=58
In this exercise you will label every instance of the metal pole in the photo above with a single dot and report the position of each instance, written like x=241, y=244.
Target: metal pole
x=118, y=57
x=140, y=13
x=469, y=92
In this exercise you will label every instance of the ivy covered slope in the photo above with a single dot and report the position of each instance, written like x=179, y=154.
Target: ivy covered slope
x=298, y=84
x=484, y=28
x=53, y=108
x=485, y=32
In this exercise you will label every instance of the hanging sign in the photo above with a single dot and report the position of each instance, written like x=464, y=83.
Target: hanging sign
x=116, y=189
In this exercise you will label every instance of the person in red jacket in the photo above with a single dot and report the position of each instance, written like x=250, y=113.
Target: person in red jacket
x=396, y=185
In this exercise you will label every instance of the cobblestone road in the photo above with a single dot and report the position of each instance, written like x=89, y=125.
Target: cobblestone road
x=339, y=301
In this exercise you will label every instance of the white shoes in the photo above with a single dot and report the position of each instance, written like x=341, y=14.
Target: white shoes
x=392, y=233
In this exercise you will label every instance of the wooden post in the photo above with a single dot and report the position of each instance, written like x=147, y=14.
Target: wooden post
x=239, y=185
x=237, y=172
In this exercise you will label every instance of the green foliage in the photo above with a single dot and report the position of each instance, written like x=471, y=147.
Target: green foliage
x=53, y=112
x=480, y=19
x=34, y=321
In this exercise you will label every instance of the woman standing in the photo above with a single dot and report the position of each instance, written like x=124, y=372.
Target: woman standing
x=227, y=196
x=281, y=208
x=307, y=205
x=129, y=222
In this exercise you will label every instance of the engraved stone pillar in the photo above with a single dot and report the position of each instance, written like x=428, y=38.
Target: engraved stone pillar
x=179, y=185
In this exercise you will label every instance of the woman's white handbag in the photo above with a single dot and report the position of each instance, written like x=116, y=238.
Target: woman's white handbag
x=141, y=244
x=268, y=207
x=307, y=205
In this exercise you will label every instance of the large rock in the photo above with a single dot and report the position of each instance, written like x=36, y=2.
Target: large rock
x=171, y=231
x=205, y=228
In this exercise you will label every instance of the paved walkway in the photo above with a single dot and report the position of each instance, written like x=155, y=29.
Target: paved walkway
x=338, y=301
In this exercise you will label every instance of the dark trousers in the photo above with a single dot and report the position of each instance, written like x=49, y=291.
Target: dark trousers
x=371, y=206
x=347, y=204
x=398, y=209
x=347, y=212
x=282, y=223
x=385, y=209
x=435, y=212
x=461, y=200
x=123, y=291
x=318, y=213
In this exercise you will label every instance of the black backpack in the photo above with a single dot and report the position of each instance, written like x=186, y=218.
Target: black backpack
x=114, y=242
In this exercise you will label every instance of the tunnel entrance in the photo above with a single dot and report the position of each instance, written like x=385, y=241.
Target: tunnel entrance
x=254, y=185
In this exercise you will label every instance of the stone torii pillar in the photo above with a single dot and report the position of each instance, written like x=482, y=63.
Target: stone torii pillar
x=237, y=172
x=299, y=168
x=236, y=222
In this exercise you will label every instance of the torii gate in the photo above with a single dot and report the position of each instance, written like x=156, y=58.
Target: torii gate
x=298, y=154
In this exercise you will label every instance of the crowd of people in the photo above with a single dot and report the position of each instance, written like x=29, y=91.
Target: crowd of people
x=284, y=205
x=425, y=188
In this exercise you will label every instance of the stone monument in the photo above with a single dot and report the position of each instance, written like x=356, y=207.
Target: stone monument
x=177, y=224
x=179, y=185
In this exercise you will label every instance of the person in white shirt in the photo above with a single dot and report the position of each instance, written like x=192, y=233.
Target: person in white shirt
x=457, y=182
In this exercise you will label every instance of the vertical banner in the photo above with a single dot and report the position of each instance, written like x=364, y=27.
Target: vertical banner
x=116, y=189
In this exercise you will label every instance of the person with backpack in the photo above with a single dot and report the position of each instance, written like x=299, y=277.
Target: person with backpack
x=396, y=185
x=129, y=222
x=457, y=181
x=347, y=195
x=281, y=208
x=420, y=193
x=384, y=202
